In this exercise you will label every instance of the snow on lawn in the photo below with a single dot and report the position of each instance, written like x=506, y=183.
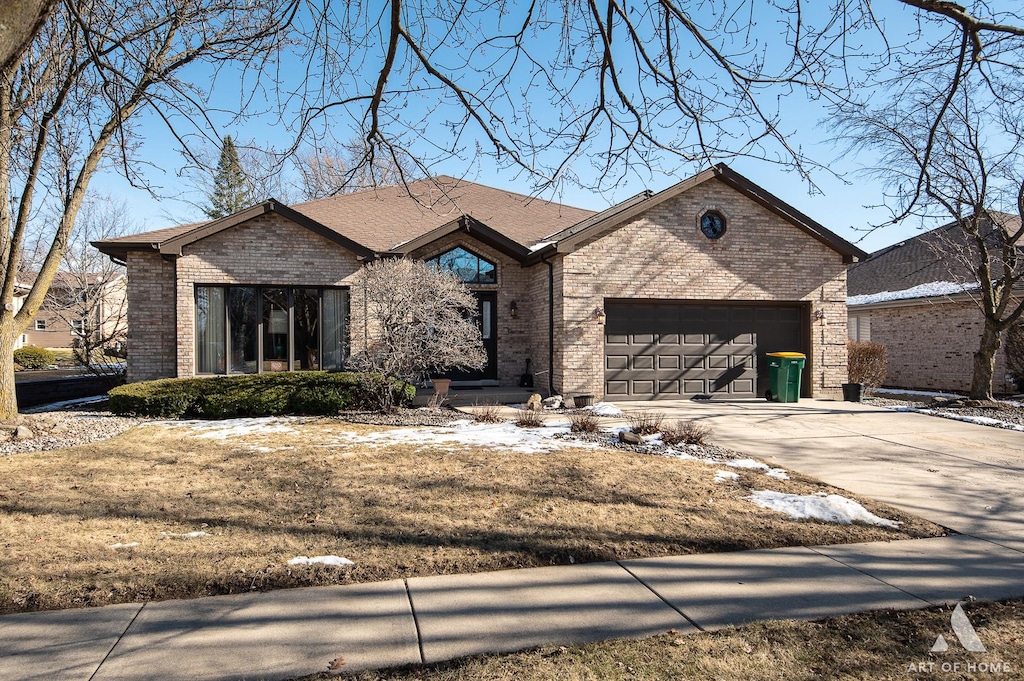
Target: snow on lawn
x=336, y=561
x=831, y=508
x=186, y=535
x=726, y=476
x=229, y=428
x=604, y=409
x=978, y=420
x=470, y=434
x=934, y=288
x=54, y=406
x=751, y=464
x=129, y=545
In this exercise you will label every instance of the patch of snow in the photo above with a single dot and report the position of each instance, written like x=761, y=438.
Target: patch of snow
x=54, y=406
x=929, y=290
x=977, y=420
x=336, y=561
x=923, y=393
x=604, y=409
x=230, y=428
x=832, y=508
x=186, y=535
x=470, y=434
x=124, y=546
x=726, y=476
x=751, y=464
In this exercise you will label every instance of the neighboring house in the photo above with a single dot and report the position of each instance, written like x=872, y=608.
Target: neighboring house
x=919, y=298
x=20, y=293
x=77, y=305
x=665, y=295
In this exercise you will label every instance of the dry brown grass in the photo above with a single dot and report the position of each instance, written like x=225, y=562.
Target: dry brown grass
x=584, y=422
x=527, y=418
x=397, y=511
x=487, y=413
x=878, y=645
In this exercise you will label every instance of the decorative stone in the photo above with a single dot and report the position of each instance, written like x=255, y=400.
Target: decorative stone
x=553, y=402
x=629, y=437
x=23, y=433
x=534, y=403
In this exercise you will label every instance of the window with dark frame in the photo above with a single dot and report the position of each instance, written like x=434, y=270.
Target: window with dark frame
x=469, y=267
x=40, y=325
x=252, y=329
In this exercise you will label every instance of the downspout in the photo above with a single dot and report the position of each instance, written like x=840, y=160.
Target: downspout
x=551, y=326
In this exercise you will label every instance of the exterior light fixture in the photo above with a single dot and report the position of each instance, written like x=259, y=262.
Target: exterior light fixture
x=513, y=309
x=598, y=315
x=819, y=314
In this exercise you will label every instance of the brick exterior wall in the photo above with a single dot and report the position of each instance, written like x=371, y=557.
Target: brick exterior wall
x=662, y=254
x=151, y=322
x=931, y=345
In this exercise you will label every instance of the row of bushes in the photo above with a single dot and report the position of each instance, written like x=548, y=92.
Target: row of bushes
x=301, y=392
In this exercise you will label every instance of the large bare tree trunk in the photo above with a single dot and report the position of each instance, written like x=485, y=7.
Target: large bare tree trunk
x=8, y=403
x=985, y=363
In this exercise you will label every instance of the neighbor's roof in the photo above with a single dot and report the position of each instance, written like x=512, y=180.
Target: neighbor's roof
x=382, y=219
x=916, y=266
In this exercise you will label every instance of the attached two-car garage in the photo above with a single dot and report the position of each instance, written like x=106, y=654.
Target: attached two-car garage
x=677, y=349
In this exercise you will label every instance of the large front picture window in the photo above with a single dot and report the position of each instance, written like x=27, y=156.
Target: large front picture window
x=249, y=329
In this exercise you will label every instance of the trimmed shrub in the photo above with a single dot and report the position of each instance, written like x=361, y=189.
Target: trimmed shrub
x=312, y=393
x=868, y=363
x=584, y=422
x=687, y=433
x=645, y=422
x=31, y=357
x=527, y=418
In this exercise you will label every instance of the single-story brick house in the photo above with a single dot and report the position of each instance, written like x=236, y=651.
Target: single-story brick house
x=663, y=295
x=920, y=300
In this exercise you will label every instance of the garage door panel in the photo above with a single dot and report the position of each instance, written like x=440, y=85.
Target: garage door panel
x=614, y=362
x=668, y=361
x=643, y=362
x=684, y=349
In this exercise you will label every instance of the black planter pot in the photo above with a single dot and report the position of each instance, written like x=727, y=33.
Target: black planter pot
x=853, y=392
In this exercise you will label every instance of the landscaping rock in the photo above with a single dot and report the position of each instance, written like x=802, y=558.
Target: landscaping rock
x=534, y=403
x=553, y=402
x=629, y=437
x=23, y=433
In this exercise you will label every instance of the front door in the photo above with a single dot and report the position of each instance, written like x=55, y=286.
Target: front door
x=487, y=320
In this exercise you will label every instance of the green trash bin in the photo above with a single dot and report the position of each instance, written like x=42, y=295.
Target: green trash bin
x=784, y=370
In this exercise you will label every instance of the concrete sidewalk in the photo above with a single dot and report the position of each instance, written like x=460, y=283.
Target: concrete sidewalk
x=960, y=475
x=290, y=633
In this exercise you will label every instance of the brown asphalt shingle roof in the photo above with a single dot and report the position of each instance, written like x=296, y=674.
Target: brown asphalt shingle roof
x=922, y=259
x=385, y=217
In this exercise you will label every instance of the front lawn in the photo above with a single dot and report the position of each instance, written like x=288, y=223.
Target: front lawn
x=199, y=508
x=875, y=645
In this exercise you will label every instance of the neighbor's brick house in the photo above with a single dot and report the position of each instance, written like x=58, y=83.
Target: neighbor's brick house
x=664, y=295
x=918, y=298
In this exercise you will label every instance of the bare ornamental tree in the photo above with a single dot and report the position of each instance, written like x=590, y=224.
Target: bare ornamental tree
x=419, y=320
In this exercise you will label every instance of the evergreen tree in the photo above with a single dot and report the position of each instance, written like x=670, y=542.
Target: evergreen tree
x=231, y=191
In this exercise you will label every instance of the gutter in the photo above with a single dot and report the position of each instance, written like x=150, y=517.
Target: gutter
x=551, y=326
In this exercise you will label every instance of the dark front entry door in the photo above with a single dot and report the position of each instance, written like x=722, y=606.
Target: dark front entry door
x=487, y=319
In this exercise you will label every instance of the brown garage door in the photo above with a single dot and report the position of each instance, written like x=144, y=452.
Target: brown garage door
x=671, y=349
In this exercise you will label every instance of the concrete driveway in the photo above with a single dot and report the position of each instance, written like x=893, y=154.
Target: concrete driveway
x=966, y=477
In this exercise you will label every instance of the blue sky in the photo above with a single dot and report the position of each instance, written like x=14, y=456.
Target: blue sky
x=842, y=205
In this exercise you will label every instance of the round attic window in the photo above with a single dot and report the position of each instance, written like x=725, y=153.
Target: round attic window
x=712, y=224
